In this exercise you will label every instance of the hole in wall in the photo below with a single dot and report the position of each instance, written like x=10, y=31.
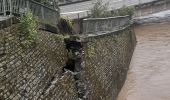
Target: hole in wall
x=70, y=65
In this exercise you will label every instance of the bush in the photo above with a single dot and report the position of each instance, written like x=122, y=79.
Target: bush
x=124, y=11
x=99, y=10
x=65, y=26
x=28, y=28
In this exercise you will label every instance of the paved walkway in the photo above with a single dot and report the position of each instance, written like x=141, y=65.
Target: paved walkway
x=149, y=74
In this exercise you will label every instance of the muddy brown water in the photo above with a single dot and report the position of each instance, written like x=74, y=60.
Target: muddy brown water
x=149, y=74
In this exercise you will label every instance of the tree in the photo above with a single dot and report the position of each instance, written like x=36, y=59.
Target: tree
x=65, y=26
x=100, y=10
x=124, y=11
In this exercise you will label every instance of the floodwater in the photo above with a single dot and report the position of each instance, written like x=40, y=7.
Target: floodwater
x=149, y=74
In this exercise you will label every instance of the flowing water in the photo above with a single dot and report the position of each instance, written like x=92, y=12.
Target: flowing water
x=149, y=74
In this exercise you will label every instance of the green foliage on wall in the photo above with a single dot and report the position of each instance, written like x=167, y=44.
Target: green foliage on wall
x=28, y=29
x=91, y=51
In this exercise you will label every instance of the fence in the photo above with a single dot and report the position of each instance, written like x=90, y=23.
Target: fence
x=76, y=14
x=93, y=25
x=45, y=14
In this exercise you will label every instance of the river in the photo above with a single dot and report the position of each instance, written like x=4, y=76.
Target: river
x=149, y=74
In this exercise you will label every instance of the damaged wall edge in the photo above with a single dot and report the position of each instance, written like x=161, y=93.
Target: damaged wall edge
x=74, y=46
x=77, y=46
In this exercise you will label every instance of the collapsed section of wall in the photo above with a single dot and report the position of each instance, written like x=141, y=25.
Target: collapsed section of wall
x=104, y=57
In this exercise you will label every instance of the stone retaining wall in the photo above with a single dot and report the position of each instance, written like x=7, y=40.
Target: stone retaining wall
x=106, y=62
x=35, y=72
x=88, y=67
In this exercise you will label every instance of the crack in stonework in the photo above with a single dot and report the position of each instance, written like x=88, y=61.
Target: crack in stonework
x=73, y=64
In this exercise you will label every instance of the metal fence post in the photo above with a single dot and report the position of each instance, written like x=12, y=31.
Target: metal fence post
x=10, y=4
x=28, y=5
x=42, y=12
x=4, y=7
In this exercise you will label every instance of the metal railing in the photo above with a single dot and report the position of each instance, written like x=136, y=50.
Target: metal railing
x=85, y=6
x=98, y=25
x=76, y=14
x=43, y=13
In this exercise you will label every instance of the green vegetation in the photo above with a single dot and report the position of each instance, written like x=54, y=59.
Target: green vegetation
x=100, y=10
x=124, y=11
x=28, y=29
x=91, y=51
x=65, y=26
